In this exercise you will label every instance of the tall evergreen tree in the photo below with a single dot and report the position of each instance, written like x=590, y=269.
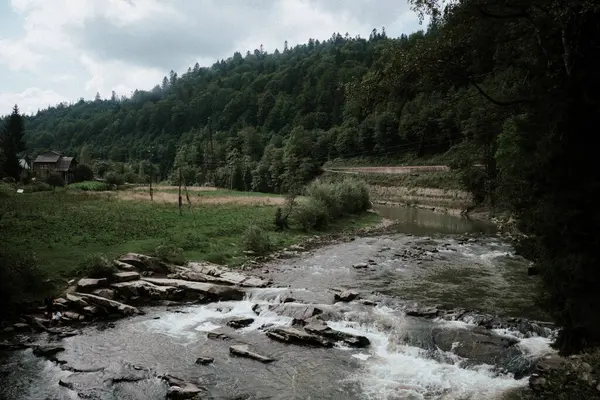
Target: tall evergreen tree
x=12, y=144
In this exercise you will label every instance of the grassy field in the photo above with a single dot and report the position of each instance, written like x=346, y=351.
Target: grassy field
x=61, y=228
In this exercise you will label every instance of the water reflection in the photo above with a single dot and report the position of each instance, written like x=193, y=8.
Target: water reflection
x=418, y=221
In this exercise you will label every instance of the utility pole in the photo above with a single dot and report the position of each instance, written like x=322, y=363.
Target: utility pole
x=180, y=179
x=151, y=173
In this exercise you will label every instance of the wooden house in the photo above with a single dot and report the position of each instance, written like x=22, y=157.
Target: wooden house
x=52, y=161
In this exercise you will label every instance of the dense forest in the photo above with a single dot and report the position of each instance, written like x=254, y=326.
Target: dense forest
x=512, y=85
x=251, y=121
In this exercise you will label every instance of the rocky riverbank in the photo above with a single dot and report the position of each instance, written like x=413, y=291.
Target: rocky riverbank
x=252, y=312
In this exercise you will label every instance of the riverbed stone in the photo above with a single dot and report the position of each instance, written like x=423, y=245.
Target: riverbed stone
x=89, y=284
x=240, y=322
x=346, y=296
x=201, y=290
x=105, y=292
x=218, y=336
x=322, y=329
x=361, y=265
x=244, y=350
x=296, y=336
x=125, y=276
x=204, y=360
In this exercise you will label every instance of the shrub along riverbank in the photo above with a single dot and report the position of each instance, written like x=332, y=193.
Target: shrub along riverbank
x=47, y=237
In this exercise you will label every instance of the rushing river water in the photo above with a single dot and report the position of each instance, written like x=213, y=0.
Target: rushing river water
x=443, y=268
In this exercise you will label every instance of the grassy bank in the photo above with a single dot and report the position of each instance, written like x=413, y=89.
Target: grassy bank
x=449, y=180
x=62, y=228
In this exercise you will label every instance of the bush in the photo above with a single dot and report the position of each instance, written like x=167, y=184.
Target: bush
x=82, y=173
x=97, y=266
x=257, y=240
x=114, y=179
x=91, y=186
x=21, y=280
x=38, y=187
x=349, y=196
x=311, y=215
x=170, y=254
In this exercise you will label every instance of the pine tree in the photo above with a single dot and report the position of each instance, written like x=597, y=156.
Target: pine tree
x=12, y=144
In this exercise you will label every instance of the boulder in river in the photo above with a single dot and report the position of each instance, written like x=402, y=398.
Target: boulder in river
x=297, y=336
x=327, y=332
x=346, y=296
x=362, y=265
x=204, y=360
x=182, y=390
x=479, y=345
x=298, y=311
x=240, y=322
x=145, y=263
x=88, y=284
x=47, y=350
x=423, y=312
x=243, y=350
x=201, y=290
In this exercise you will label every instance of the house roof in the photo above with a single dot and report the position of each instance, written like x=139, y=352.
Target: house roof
x=47, y=157
x=64, y=164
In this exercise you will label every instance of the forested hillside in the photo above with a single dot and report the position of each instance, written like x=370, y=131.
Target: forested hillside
x=263, y=116
x=512, y=85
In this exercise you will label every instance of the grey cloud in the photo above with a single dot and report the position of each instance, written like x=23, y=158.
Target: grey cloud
x=210, y=29
x=165, y=41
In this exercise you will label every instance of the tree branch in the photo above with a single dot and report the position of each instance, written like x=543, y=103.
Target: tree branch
x=486, y=13
x=497, y=102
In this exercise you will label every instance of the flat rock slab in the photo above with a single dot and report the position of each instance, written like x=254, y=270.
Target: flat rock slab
x=243, y=350
x=76, y=300
x=123, y=266
x=105, y=292
x=145, y=290
x=89, y=284
x=297, y=336
x=125, y=276
x=212, y=291
x=360, y=266
x=112, y=305
x=212, y=273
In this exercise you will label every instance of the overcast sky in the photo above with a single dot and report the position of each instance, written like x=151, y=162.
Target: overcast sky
x=61, y=50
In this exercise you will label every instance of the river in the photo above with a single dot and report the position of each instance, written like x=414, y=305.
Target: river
x=432, y=259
